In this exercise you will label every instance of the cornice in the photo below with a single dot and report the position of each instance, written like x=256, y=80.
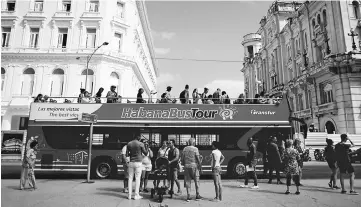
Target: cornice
x=146, y=29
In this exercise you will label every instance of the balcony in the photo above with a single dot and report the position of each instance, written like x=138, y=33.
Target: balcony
x=35, y=15
x=251, y=37
x=63, y=15
x=327, y=108
x=8, y=15
x=91, y=16
x=306, y=113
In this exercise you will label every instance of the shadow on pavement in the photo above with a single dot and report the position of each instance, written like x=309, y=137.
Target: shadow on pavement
x=269, y=191
x=107, y=193
x=119, y=190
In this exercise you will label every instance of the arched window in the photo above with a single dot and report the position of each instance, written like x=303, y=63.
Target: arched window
x=2, y=78
x=356, y=9
x=27, y=84
x=89, y=79
x=324, y=15
x=57, y=83
x=318, y=19
x=114, y=81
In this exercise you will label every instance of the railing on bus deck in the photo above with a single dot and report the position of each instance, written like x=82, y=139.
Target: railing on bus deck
x=157, y=100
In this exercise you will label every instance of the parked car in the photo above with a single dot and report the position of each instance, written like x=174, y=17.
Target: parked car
x=356, y=154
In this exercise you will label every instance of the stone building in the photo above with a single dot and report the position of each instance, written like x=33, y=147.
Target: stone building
x=45, y=45
x=311, y=50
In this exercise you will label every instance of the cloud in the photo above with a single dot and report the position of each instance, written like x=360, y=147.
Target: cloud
x=163, y=35
x=232, y=87
x=161, y=51
x=167, y=78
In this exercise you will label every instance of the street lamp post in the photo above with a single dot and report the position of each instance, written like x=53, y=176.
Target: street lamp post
x=353, y=34
x=88, y=58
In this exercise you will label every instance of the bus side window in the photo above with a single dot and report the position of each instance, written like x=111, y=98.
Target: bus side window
x=180, y=139
x=155, y=140
x=204, y=141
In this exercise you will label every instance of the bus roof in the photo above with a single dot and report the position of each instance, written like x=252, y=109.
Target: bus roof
x=165, y=114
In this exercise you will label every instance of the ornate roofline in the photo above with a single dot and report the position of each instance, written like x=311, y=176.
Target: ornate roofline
x=147, y=32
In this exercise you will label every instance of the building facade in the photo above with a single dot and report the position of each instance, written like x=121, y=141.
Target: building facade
x=46, y=45
x=312, y=51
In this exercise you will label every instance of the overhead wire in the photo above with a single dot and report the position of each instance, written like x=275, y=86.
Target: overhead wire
x=201, y=60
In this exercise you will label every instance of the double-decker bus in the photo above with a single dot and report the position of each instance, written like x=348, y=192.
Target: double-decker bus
x=63, y=140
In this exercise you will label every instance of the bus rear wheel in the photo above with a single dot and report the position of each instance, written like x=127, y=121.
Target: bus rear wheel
x=104, y=168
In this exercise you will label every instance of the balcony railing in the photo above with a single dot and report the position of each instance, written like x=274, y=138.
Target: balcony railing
x=303, y=113
x=327, y=108
x=63, y=14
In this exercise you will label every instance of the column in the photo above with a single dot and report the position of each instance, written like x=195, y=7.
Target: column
x=41, y=32
x=69, y=44
x=98, y=40
x=82, y=34
x=25, y=33
x=12, y=34
x=53, y=36
x=280, y=66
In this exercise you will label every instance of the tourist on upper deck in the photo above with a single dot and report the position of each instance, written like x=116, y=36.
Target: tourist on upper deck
x=262, y=98
x=112, y=95
x=81, y=95
x=184, y=95
x=87, y=98
x=152, y=93
x=98, y=95
x=205, y=95
x=45, y=99
x=217, y=96
x=196, y=97
x=38, y=98
x=240, y=99
x=168, y=97
x=209, y=100
x=225, y=98
x=140, y=97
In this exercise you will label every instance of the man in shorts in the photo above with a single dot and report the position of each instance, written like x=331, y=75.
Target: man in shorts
x=173, y=157
x=344, y=163
x=125, y=162
x=192, y=167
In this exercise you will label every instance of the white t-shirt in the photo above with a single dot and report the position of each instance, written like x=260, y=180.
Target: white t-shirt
x=163, y=152
x=124, y=151
x=217, y=156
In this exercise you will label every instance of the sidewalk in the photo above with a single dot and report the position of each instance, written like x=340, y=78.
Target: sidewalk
x=107, y=193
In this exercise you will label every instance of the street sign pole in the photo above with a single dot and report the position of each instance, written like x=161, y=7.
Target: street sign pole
x=90, y=153
x=89, y=118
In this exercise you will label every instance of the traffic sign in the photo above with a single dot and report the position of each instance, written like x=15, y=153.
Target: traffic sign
x=88, y=118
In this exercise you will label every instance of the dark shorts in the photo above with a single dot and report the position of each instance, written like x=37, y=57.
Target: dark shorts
x=346, y=168
x=332, y=165
x=173, y=174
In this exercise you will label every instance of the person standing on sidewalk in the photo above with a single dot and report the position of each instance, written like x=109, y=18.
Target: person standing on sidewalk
x=331, y=161
x=297, y=146
x=344, y=163
x=25, y=167
x=291, y=160
x=217, y=159
x=251, y=163
x=192, y=167
x=274, y=160
x=163, y=152
x=173, y=157
x=125, y=162
x=134, y=150
x=146, y=166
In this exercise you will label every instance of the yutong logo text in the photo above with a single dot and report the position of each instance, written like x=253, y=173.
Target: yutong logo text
x=172, y=113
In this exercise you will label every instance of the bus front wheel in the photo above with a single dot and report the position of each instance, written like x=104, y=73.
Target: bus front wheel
x=238, y=169
x=103, y=168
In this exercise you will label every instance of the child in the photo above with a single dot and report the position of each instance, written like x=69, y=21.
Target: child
x=217, y=159
x=330, y=158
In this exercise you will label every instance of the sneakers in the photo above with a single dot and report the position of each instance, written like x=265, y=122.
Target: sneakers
x=343, y=192
x=130, y=197
x=216, y=200
x=352, y=192
x=188, y=199
x=137, y=197
x=330, y=184
x=146, y=190
x=198, y=197
x=255, y=187
x=125, y=191
x=298, y=193
x=336, y=187
x=243, y=186
x=287, y=192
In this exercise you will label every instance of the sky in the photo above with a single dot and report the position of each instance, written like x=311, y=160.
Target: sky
x=206, y=30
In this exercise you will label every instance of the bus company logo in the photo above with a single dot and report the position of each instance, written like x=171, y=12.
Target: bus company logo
x=227, y=112
x=172, y=113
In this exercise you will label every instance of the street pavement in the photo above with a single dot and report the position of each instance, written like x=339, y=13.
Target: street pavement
x=108, y=193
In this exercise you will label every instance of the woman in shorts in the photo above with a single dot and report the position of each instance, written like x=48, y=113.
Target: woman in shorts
x=217, y=159
x=331, y=161
x=147, y=167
